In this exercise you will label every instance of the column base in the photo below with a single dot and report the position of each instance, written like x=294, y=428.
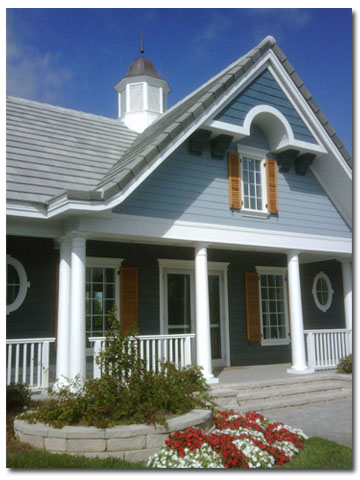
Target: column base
x=305, y=371
x=212, y=380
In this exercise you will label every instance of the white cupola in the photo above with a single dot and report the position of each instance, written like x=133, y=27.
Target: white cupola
x=142, y=94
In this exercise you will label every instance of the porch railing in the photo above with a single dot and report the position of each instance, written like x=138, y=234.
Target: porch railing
x=326, y=347
x=154, y=349
x=27, y=361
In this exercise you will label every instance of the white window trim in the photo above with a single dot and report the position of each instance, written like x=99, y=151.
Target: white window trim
x=321, y=307
x=254, y=154
x=275, y=271
x=24, y=284
x=107, y=262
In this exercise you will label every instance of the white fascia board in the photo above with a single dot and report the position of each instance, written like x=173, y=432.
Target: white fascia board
x=33, y=227
x=18, y=209
x=189, y=233
x=304, y=110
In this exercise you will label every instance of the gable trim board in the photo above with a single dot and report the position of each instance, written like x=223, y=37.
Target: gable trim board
x=141, y=160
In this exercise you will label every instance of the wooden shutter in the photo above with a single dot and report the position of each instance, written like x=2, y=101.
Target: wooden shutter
x=128, y=298
x=234, y=180
x=271, y=184
x=253, y=307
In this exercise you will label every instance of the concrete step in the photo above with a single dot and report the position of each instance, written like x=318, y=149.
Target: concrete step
x=282, y=393
x=278, y=403
x=290, y=380
x=288, y=390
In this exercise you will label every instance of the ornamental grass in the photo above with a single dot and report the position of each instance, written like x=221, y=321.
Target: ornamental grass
x=238, y=441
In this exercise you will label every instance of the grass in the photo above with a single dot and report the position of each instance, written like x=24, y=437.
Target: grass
x=34, y=458
x=320, y=453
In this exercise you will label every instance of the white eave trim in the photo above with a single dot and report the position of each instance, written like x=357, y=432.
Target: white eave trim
x=187, y=233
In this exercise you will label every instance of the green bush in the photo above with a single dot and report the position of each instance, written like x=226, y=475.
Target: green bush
x=17, y=396
x=345, y=365
x=126, y=392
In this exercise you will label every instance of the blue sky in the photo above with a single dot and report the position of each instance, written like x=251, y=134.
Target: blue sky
x=74, y=57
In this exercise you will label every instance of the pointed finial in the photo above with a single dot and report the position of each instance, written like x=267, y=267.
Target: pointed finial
x=142, y=43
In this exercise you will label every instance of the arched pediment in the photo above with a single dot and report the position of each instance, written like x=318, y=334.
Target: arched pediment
x=273, y=123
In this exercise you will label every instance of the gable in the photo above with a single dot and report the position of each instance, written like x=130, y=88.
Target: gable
x=264, y=90
x=195, y=189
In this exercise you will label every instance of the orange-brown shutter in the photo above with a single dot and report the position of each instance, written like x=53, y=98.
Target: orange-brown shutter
x=234, y=180
x=253, y=307
x=271, y=183
x=128, y=299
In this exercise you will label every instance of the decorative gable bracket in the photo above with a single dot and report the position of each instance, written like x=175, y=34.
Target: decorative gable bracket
x=198, y=140
x=219, y=145
x=285, y=159
x=303, y=162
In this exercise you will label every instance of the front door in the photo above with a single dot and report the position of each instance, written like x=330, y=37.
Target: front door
x=179, y=309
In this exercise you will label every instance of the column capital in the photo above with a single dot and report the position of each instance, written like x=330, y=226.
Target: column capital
x=201, y=248
x=345, y=261
x=293, y=254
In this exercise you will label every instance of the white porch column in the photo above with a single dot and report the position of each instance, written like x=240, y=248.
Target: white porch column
x=347, y=286
x=296, y=317
x=63, y=328
x=203, y=342
x=77, y=309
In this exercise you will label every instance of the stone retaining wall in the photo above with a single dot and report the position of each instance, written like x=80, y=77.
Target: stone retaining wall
x=135, y=443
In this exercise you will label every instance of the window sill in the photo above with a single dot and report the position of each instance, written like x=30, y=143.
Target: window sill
x=254, y=213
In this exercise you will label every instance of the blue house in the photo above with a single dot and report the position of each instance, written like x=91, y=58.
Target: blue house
x=220, y=228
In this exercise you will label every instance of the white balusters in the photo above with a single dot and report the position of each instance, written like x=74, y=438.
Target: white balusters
x=326, y=347
x=29, y=367
x=155, y=350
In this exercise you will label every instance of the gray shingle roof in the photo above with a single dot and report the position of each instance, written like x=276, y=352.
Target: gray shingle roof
x=52, y=149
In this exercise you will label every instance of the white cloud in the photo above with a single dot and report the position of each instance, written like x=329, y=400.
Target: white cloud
x=32, y=74
x=213, y=29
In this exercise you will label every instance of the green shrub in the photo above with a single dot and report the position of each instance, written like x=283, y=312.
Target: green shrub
x=17, y=396
x=126, y=392
x=345, y=365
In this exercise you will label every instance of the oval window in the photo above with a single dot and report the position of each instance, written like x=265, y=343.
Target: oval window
x=16, y=284
x=322, y=291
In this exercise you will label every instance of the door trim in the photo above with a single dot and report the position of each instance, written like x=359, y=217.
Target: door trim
x=188, y=267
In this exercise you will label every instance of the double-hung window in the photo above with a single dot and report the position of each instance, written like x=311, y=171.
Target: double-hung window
x=102, y=294
x=252, y=180
x=273, y=305
x=253, y=191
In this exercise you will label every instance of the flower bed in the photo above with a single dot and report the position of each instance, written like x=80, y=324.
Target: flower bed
x=239, y=441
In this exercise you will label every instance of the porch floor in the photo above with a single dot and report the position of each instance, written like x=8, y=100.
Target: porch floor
x=253, y=373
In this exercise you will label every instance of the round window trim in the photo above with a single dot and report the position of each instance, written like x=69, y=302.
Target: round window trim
x=24, y=284
x=330, y=292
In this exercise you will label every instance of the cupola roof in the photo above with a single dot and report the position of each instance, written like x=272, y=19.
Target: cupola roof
x=142, y=66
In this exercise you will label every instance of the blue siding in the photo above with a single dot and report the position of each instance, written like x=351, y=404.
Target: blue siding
x=36, y=317
x=265, y=90
x=191, y=188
